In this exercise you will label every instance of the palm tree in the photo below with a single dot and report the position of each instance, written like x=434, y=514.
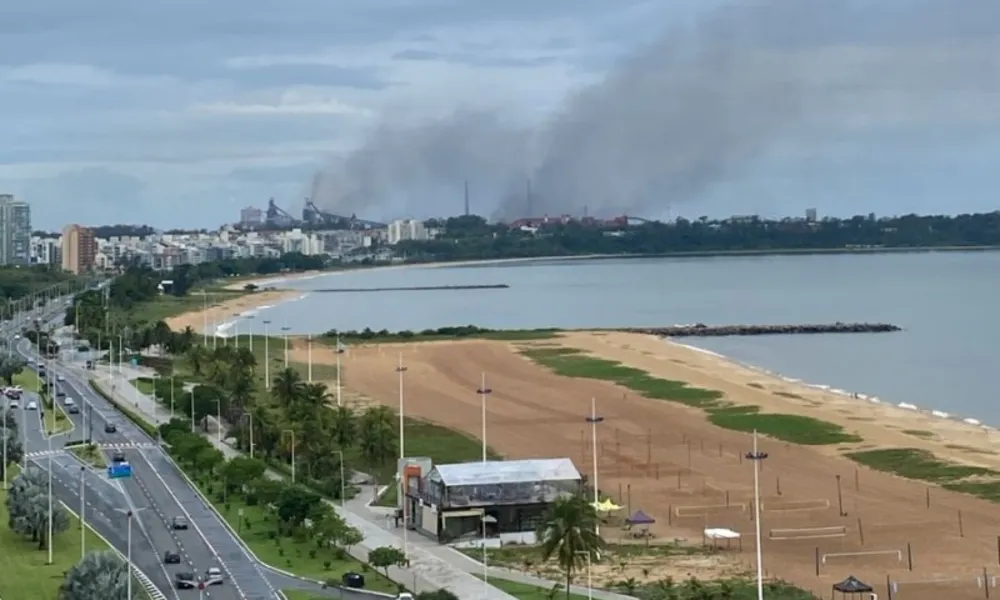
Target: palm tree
x=288, y=387
x=344, y=426
x=569, y=530
x=197, y=357
x=378, y=437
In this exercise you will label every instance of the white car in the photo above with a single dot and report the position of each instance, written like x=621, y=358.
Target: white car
x=14, y=404
x=32, y=405
x=404, y=596
x=17, y=336
x=213, y=576
x=68, y=402
x=60, y=378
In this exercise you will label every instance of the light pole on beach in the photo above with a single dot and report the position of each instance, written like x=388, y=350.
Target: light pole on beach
x=284, y=334
x=484, y=391
x=756, y=457
x=594, y=419
x=236, y=329
x=340, y=350
x=309, y=357
x=267, y=356
x=204, y=318
x=250, y=328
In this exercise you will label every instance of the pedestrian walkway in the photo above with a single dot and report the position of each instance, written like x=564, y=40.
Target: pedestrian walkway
x=426, y=572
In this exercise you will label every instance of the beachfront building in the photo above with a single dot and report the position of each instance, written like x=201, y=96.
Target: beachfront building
x=508, y=498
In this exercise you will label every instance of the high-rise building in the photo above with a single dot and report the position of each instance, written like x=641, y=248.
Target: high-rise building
x=251, y=217
x=811, y=214
x=406, y=229
x=15, y=231
x=79, y=249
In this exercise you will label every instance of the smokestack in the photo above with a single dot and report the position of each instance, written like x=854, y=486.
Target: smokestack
x=466, y=197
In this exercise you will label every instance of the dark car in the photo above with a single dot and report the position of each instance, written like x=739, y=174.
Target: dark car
x=73, y=410
x=60, y=394
x=110, y=428
x=353, y=580
x=118, y=456
x=186, y=581
x=179, y=523
x=171, y=558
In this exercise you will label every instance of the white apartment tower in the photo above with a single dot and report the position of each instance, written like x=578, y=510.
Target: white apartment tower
x=407, y=229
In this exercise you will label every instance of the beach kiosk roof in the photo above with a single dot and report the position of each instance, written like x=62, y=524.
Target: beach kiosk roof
x=851, y=586
x=640, y=518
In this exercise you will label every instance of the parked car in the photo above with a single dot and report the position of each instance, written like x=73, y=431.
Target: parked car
x=353, y=580
x=171, y=558
x=179, y=523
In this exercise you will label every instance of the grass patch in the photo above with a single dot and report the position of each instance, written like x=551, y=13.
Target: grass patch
x=25, y=574
x=920, y=433
x=56, y=420
x=90, y=454
x=570, y=362
x=28, y=380
x=143, y=384
x=788, y=395
x=914, y=463
x=301, y=595
x=257, y=526
x=167, y=306
x=755, y=385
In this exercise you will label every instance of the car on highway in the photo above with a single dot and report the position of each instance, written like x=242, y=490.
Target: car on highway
x=404, y=596
x=179, y=523
x=17, y=336
x=60, y=378
x=171, y=558
x=110, y=428
x=68, y=402
x=14, y=404
x=32, y=405
x=213, y=576
x=186, y=581
x=73, y=410
x=60, y=394
x=118, y=456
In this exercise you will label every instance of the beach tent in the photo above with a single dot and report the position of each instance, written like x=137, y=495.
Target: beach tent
x=640, y=518
x=716, y=534
x=849, y=587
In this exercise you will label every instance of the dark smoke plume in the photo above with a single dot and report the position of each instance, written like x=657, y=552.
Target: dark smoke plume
x=695, y=109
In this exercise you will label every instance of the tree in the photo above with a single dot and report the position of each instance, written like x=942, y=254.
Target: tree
x=288, y=387
x=10, y=366
x=15, y=451
x=344, y=426
x=98, y=576
x=238, y=472
x=295, y=504
x=384, y=557
x=378, y=436
x=567, y=531
x=28, y=507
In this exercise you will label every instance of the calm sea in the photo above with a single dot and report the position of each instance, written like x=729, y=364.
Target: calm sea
x=947, y=303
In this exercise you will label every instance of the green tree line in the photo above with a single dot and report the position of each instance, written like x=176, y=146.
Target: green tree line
x=471, y=237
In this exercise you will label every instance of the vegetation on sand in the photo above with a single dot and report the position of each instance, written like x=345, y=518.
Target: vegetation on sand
x=922, y=465
x=570, y=362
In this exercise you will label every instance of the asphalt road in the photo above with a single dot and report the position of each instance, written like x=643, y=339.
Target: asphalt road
x=155, y=494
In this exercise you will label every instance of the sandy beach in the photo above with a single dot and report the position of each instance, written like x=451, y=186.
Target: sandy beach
x=667, y=459
x=223, y=312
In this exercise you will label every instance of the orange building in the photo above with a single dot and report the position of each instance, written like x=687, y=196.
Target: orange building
x=79, y=249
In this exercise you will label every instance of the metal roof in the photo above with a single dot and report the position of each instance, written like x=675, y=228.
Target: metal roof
x=508, y=471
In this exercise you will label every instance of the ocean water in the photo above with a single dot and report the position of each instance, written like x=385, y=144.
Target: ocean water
x=947, y=302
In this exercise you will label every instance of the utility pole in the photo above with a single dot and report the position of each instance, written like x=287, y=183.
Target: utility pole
x=484, y=391
x=756, y=457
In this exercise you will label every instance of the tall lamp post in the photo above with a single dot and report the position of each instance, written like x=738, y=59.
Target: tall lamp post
x=4, y=441
x=400, y=469
x=83, y=513
x=249, y=416
x=250, y=329
x=284, y=334
x=594, y=419
x=129, y=513
x=756, y=457
x=309, y=357
x=484, y=391
x=290, y=432
x=343, y=484
x=267, y=357
x=204, y=318
x=339, y=351
x=590, y=579
x=236, y=329
x=48, y=540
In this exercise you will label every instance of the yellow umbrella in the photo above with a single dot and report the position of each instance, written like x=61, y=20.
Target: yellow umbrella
x=607, y=506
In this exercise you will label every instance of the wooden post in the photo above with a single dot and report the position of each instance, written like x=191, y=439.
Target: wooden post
x=649, y=446
x=777, y=485
x=628, y=501
x=657, y=471
x=928, y=495
x=670, y=515
x=817, y=559
x=751, y=514
x=702, y=446
x=909, y=555
x=618, y=455
x=986, y=582
x=678, y=478
x=727, y=498
x=888, y=587
x=861, y=532
x=689, y=455
x=961, y=530
x=720, y=450
x=857, y=480
x=998, y=549
x=840, y=498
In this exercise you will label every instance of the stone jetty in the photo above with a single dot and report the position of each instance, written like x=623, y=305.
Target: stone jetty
x=702, y=330
x=415, y=288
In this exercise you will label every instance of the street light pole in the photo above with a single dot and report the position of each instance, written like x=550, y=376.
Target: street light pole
x=6, y=407
x=484, y=391
x=218, y=418
x=236, y=329
x=192, y=410
x=83, y=514
x=756, y=457
x=267, y=356
x=250, y=327
x=172, y=387
x=400, y=468
x=590, y=578
x=204, y=318
x=343, y=485
x=48, y=540
x=128, y=550
x=284, y=334
x=309, y=357
x=249, y=416
x=339, y=351
x=594, y=419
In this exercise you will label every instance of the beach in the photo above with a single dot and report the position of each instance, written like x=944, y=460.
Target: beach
x=221, y=313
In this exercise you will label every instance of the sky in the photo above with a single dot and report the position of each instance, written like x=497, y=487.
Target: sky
x=179, y=114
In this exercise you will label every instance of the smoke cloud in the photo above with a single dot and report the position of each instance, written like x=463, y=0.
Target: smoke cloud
x=695, y=109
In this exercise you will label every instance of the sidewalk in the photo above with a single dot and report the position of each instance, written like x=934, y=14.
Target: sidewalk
x=426, y=572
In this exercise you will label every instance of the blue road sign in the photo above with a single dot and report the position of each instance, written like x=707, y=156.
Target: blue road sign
x=119, y=470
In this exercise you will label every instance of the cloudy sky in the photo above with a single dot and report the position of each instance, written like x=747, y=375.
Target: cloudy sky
x=177, y=114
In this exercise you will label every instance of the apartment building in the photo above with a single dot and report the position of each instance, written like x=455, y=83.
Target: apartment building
x=406, y=229
x=15, y=231
x=79, y=249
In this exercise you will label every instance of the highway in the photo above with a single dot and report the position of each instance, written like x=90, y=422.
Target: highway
x=155, y=494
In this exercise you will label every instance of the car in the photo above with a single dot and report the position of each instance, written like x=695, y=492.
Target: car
x=60, y=378
x=73, y=410
x=353, y=580
x=118, y=456
x=179, y=523
x=213, y=576
x=60, y=394
x=110, y=428
x=32, y=405
x=186, y=581
x=17, y=336
x=404, y=596
x=14, y=404
x=171, y=558
x=68, y=402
